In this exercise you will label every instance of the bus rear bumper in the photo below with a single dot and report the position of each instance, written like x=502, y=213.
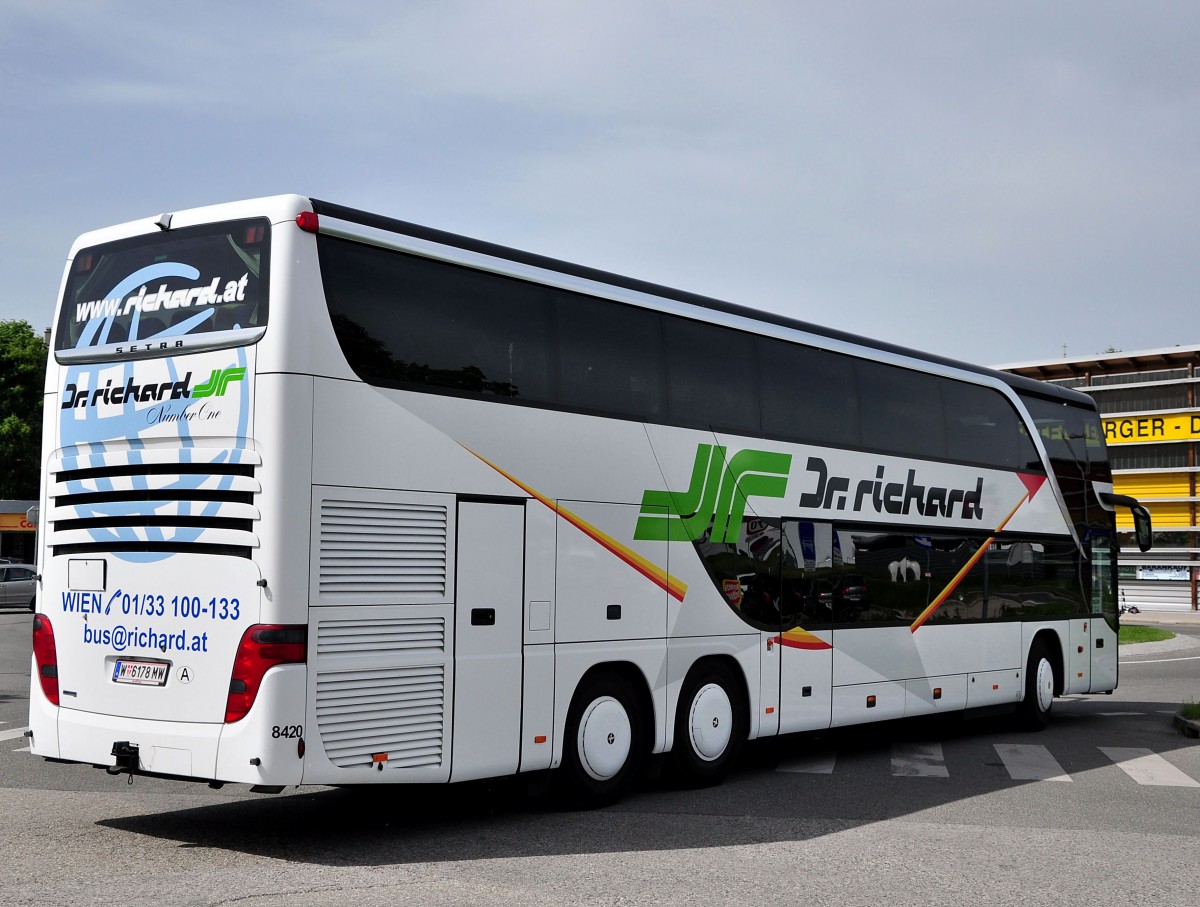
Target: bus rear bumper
x=175, y=748
x=250, y=751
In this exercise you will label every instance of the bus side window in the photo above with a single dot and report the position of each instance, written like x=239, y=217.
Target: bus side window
x=982, y=427
x=610, y=357
x=903, y=410
x=807, y=394
x=712, y=376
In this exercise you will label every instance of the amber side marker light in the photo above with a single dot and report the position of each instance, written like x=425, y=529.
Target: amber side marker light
x=45, y=656
x=262, y=647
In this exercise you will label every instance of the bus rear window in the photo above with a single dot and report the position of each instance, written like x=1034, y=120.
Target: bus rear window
x=178, y=291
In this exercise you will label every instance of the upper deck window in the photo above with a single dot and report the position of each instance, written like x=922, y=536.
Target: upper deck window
x=161, y=294
x=439, y=327
x=1069, y=433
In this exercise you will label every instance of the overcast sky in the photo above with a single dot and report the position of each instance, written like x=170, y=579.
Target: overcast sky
x=992, y=181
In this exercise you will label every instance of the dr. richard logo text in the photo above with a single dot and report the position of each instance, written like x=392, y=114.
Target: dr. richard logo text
x=217, y=384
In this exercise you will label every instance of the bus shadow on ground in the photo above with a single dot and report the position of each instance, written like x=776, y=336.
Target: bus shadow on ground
x=761, y=803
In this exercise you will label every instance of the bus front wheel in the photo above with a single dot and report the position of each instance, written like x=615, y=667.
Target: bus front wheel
x=605, y=741
x=1039, y=688
x=710, y=726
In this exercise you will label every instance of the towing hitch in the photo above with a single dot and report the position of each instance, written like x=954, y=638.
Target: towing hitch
x=126, y=755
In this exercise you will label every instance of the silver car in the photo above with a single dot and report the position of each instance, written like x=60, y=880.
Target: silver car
x=18, y=586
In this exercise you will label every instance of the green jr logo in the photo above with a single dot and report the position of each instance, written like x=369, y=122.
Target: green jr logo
x=218, y=382
x=717, y=494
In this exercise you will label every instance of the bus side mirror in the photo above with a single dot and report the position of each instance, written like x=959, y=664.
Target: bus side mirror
x=1142, y=529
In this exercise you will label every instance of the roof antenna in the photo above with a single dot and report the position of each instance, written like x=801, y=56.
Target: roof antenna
x=163, y=222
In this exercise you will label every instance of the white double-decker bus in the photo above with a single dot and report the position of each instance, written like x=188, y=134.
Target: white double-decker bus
x=332, y=498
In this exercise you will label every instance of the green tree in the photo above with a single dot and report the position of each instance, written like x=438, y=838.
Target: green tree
x=22, y=380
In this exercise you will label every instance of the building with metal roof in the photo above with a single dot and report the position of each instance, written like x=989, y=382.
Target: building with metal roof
x=1151, y=411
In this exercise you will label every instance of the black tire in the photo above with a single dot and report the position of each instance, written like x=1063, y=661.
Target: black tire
x=1040, y=683
x=33, y=604
x=605, y=746
x=711, y=724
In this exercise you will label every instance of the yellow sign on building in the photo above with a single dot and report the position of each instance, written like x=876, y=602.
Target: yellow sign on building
x=1148, y=429
x=15, y=522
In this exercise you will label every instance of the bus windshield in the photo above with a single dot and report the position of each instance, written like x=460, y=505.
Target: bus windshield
x=182, y=290
x=1071, y=434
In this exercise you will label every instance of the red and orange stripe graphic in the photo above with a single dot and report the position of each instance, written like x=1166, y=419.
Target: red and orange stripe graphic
x=1032, y=485
x=674, y=587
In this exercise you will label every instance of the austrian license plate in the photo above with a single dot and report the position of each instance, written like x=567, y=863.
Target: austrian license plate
x=150, y=673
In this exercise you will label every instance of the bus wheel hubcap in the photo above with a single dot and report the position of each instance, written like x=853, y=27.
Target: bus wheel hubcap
x=604, y=738
x=1045, y=685
x=711, y=722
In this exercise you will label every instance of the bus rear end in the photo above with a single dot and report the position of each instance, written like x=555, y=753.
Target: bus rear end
x=158, y=646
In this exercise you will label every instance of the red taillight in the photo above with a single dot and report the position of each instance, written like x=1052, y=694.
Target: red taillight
x=263, y=646
x=307, y=221
x=45, y=656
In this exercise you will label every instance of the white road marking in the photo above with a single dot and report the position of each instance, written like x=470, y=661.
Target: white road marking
x=814, y=764
x=919, y=760
x=1147, y=767
x=1119, y=714
x=1023, y=762
x=1158, y=661
x=1030, y=762
x=13, y=733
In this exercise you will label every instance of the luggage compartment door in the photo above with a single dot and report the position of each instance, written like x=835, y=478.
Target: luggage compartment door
x=487, y=640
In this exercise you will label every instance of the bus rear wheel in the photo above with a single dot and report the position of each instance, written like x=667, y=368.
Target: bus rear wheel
x=1034, y=711
x=710, y=726
x=605, y=743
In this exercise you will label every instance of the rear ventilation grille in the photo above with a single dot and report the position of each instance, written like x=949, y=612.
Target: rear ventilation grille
x=373, y=549
x=411, y=636
x=392, y=716
x=193, y=500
